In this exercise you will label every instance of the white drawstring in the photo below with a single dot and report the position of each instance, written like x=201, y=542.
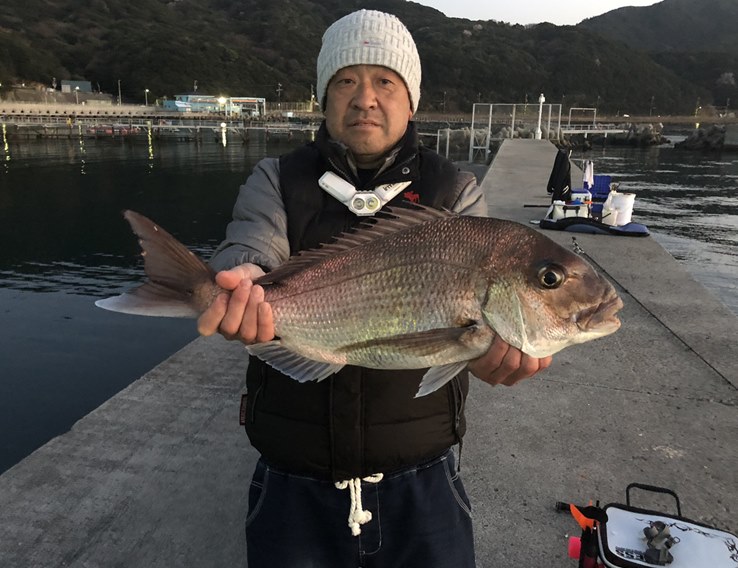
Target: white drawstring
x=357, y=515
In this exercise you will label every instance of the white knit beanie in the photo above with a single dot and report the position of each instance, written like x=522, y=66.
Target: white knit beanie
x=368, y=37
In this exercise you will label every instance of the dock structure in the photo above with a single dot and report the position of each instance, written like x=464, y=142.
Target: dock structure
x=145, y=126
x=587, y=129
x=158, y=475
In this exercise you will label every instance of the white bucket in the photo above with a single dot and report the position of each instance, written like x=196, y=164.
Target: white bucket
x=610, y=216
x=623, y=203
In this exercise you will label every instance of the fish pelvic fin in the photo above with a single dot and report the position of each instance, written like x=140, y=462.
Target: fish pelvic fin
x=291, y=364
x=436, y=377
x=180, y=284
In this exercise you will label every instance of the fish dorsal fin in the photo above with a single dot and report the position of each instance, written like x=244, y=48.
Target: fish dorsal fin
x=390, y=221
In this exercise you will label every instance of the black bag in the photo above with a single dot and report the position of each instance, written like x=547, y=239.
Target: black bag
x=559, y=182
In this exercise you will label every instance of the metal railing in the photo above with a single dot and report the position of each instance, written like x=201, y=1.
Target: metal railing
x=497, y=121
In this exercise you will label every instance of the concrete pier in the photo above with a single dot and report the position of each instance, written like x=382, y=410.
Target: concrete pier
x=158, y=475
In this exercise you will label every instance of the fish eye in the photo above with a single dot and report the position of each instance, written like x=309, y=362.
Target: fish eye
x=551, y=277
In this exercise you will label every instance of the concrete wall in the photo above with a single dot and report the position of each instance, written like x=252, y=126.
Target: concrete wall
x=90, y=108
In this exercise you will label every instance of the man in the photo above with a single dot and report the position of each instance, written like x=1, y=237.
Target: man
x=360, y=430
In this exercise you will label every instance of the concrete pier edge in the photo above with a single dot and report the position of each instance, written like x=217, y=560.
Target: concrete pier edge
x=158, y=475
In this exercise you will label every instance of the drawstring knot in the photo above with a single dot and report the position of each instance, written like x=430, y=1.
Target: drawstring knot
x=357, y=515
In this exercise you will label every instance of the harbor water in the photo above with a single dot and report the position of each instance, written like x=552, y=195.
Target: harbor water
x=65, y=244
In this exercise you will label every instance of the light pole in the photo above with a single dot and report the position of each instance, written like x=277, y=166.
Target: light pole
x=76, y=94
x=119, y=98
x=146, y=97
x=541, y=100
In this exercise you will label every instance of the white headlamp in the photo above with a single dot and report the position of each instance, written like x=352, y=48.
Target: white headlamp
x=361, y=203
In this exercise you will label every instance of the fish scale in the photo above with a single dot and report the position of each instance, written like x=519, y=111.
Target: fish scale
x=417, y=289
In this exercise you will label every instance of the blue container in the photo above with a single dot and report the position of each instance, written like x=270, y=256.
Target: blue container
x=601, y=187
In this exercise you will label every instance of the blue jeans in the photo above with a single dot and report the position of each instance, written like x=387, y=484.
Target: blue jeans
x=421, y=518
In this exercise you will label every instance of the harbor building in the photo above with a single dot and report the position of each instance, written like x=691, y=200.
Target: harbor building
x=252, y=107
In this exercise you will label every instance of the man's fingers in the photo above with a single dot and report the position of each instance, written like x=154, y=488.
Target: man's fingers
x=528, y=366
x=232, y=319
x=507, y=368
x=209, y=320
x=265, y=329
x=506, y=365
x=249, y=324
x=230, y=279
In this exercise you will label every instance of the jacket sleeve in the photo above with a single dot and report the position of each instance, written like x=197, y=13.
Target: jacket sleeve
x=471, y=199
x=258, y=231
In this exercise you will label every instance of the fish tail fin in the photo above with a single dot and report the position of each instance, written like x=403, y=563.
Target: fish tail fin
x=180, y=284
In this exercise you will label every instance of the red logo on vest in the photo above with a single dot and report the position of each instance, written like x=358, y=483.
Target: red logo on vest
x=412, y=196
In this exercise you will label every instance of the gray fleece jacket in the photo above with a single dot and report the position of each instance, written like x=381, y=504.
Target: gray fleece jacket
x=258, y=232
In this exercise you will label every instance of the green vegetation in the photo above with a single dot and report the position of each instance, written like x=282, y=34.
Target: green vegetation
x=697, y=41
x=248, y=47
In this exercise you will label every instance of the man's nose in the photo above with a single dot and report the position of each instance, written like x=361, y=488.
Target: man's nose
x=365, y=96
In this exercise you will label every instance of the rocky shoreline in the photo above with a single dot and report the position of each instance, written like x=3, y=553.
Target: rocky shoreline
x=708, y=138
x=637, y=135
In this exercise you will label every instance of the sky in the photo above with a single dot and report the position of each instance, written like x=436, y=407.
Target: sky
x=565, y=12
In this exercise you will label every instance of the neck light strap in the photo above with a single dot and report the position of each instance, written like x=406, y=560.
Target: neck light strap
x=360, y=203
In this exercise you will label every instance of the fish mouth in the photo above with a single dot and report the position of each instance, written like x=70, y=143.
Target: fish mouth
x=601, y=317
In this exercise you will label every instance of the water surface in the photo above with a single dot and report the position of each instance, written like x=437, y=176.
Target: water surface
x=65, y=244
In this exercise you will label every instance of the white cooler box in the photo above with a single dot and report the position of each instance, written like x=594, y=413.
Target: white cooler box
x=624, y=539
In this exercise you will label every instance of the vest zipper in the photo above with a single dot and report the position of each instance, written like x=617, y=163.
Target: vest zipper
x=255, y=399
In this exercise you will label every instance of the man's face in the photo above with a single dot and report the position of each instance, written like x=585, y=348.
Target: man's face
x=367, y=108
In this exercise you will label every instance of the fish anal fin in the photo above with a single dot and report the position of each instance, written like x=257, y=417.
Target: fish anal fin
x=290, y=363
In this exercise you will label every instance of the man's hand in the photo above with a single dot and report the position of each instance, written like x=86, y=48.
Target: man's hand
x=243, y=315
x=506, y=365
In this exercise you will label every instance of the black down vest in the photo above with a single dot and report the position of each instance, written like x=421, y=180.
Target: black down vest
x=359, y=421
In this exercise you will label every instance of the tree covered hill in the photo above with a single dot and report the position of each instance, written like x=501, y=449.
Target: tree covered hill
x=249, y=47
x=697, y=40
x=672, y=25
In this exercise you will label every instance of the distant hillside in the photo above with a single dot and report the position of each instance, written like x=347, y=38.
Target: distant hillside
x=697, y=40
x=248, y=47
x=672, y=25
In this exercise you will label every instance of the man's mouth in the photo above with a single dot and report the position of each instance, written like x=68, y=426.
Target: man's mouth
x=363, y=123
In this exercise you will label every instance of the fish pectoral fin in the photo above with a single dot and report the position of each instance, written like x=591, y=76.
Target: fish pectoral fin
x=436, y=377
x=421, y=343
x=290, y=363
